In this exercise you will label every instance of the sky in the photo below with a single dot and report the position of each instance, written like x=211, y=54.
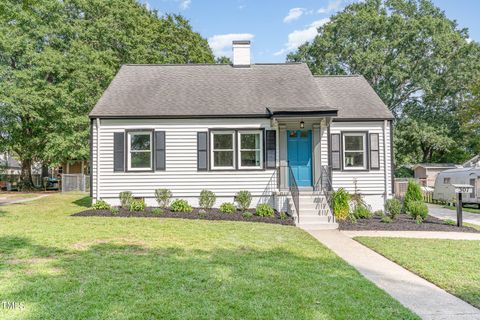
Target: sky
x=278, y=27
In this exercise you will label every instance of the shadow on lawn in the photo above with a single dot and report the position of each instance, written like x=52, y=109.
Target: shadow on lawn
x=110, y=280
x=83, y=202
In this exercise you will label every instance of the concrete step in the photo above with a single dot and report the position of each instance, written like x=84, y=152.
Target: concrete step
x=314, y=219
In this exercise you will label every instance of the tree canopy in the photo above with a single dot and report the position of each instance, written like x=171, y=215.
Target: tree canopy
x=57, y=57
x=418, y=61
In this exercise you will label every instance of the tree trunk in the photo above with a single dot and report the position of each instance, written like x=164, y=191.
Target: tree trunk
x=26, y=181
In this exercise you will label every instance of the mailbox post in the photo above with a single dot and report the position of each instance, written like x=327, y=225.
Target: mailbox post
x=459, y=189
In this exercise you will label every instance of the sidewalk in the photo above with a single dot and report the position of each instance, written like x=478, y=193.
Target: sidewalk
x=6, y=202
x=422, y=297
x=444, y=213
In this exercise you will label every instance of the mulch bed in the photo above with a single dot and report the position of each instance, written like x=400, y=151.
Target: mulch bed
x=213, y=214
x=402, y=222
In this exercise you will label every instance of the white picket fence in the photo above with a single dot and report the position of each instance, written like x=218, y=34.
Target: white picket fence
x=75, y=182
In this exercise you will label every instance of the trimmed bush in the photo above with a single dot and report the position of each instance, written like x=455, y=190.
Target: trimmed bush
x=379, y=213
x=227, y=207
x=244, y=199
x=126, y=198
x=386, y=219
x=414, y=193
x=341, y=207
x=157, y=211
x=247, y=214
x=362, y=212
x=283, y=215
x=207, y=200
x=418, y=210
x=163, y=197
x=114, y=210
x=393, y=207
x=264, y=210
x=180, y=205
x=101, y=205
x=137, y=205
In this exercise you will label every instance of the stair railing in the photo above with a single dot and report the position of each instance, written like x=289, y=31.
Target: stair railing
x=294, y=192
x=324, y=185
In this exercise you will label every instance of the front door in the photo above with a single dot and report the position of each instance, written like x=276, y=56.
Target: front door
x=299, y=147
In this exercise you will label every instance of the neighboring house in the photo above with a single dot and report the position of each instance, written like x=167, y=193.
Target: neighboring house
x=74, y=167
x=474, y=162
x=426, y=173
x=271, y=129
x=9, y=165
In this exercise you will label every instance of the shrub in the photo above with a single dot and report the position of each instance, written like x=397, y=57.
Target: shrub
x=202, y=213
x=386, y=219
x=379, y=213
x=362, y=212
x=414, y=193
x=341, y=207
x=450, y=222
x=163, y=197
x=243, y=198
x=101, y=205
x=180, y=205
x=283, y=216
x=207, y=199
x=114, y=210
x=418, y=210
x=247, y=214
x=157, y=211
x=393, y=207
x=264, y=210
x=227, y=207
x=125, y=198
x=137, y=205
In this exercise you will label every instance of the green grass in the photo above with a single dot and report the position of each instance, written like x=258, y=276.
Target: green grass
x=63, y=267
x=465, y=208
x=474, y=226
x=450, y=264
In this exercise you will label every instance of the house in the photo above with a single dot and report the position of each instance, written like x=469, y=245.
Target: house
x=9, y=165
x=426, y=173
x=272, y=129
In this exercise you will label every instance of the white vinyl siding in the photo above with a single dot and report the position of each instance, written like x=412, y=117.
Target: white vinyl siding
x=181, y=175
x=369, y=182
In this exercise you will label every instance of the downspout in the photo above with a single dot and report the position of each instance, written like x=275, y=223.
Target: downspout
x=385, y=160
x=98, y=160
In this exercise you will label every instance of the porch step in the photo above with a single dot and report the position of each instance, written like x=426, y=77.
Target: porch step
x=314, y=218
x=318, y=226
x=314, y=212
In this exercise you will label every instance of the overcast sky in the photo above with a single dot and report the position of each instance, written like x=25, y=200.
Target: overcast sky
x=277, y=27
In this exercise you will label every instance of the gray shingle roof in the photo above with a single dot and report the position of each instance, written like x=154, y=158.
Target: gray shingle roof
x=203, y=90
x=353, y=97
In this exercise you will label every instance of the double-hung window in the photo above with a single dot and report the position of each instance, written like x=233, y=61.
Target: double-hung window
x=140, y=150
x=354, y=151
x=250, y=149
x=223, y=150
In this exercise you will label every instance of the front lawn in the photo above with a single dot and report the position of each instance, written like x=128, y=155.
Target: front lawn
x=450, y=264
x=56, y=266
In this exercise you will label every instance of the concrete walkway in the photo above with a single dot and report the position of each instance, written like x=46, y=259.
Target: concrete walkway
x=422, y=297
x=14, y=201
x=414, y=234
x=444, y=213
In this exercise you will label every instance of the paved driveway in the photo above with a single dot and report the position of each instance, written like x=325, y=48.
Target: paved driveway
x=444, y=213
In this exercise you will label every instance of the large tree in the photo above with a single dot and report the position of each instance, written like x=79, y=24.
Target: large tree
x=56, y=59
x=418, y=61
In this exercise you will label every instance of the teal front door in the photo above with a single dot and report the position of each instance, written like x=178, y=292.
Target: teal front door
x=299, y=152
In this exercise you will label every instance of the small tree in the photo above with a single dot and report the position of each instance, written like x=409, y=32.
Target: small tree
x=414, y=193
x=243, y=198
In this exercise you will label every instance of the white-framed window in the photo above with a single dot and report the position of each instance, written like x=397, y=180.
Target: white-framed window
x=250, y=150
x=354, y=151
x=139, y=150
x=222, y=150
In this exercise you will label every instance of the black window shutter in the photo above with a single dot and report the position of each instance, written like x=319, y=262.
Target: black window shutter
x=118, y=152
x=374, y=145
x=202, y=151
x=335, y=145
x=159, y=150
x=271, y=149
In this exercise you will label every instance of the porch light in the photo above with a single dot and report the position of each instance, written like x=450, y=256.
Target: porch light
x=302, y=124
